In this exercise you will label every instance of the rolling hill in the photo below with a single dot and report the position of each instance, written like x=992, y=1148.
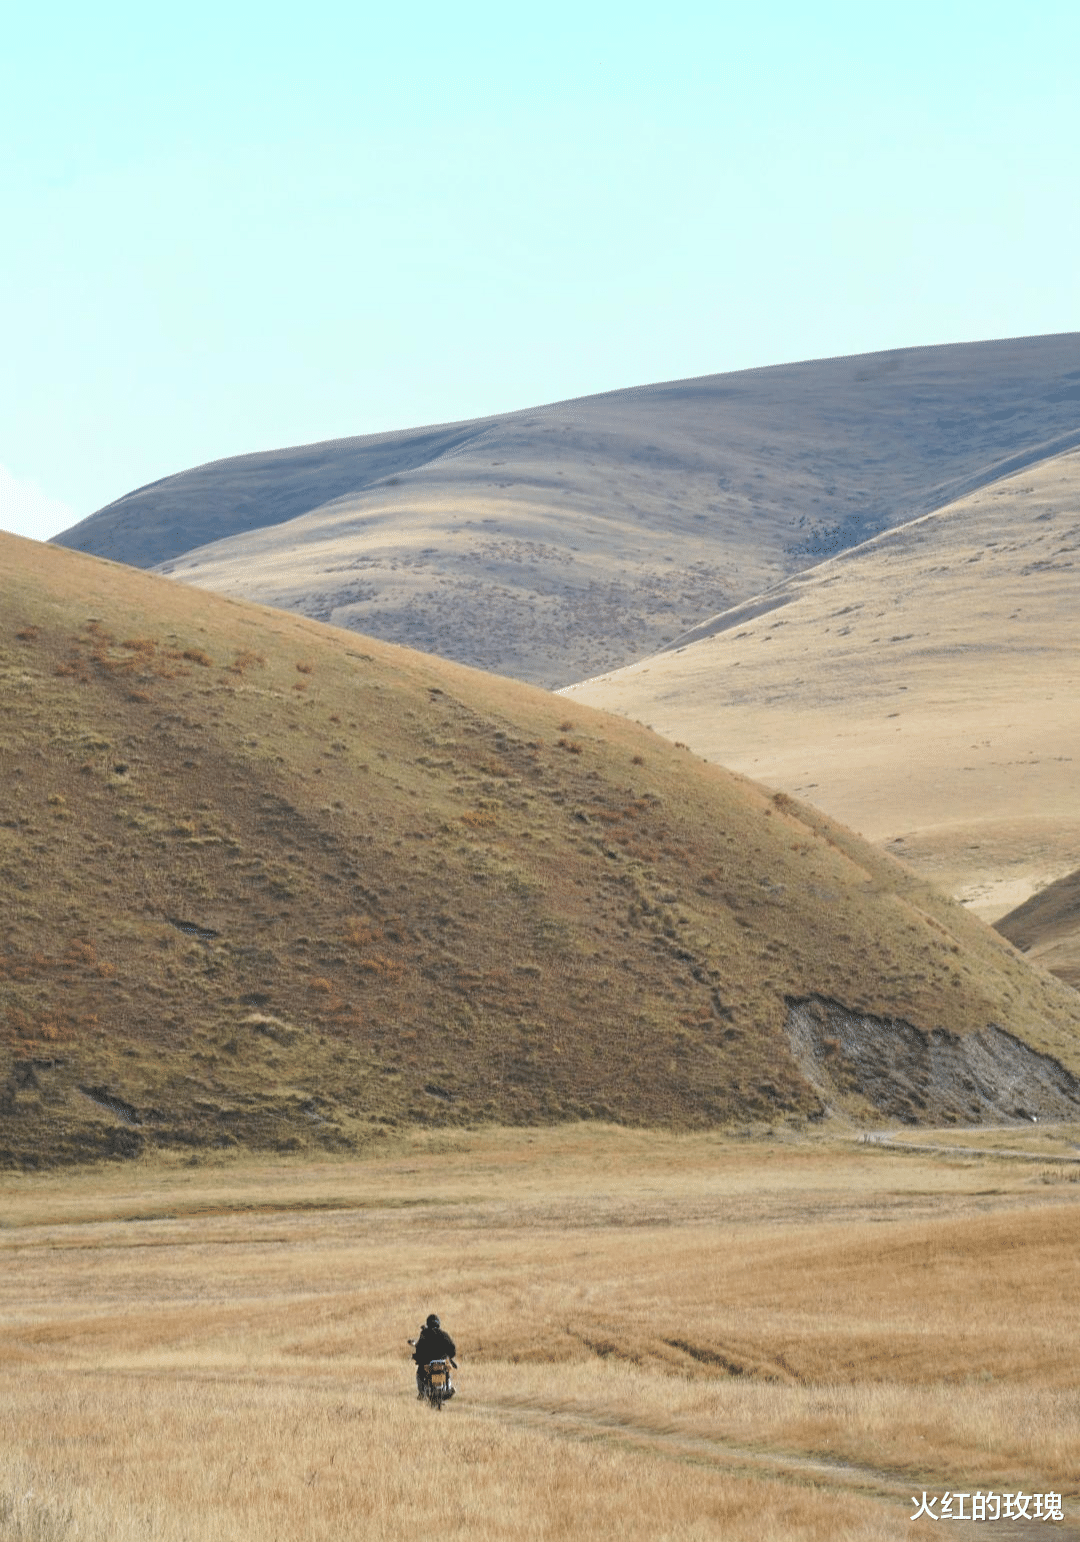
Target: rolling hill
x=559, y=542
x=923, y=687
x=267, y=883
x=1047, y=928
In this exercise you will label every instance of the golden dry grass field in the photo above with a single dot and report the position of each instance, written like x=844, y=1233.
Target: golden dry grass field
x=659, y=1336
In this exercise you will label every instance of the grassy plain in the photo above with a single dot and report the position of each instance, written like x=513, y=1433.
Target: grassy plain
x=660, y=1336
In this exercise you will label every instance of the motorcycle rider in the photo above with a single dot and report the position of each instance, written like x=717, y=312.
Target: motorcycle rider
x=433, y=1343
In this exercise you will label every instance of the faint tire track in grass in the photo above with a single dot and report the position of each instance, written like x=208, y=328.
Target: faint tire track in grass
x=756, y=1462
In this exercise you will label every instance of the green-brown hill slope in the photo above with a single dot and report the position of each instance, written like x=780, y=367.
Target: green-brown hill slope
x=263, y=881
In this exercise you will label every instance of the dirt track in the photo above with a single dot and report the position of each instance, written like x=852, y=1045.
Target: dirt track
x=899, y=1143
x=761, y=1463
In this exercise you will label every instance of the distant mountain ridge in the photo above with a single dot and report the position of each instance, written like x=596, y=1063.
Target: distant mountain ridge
x=555, y=543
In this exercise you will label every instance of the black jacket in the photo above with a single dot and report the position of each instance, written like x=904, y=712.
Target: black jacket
x=433, y=1344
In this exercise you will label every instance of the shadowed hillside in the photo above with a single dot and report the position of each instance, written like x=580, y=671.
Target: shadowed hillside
x=557, y=542
x=1047, y=928
x=264, y=882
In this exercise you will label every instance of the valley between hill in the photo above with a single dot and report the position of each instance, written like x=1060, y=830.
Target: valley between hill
x=923, y=688
x=918, y=683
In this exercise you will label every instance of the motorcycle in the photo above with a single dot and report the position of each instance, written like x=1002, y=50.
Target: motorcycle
x=436, y=1384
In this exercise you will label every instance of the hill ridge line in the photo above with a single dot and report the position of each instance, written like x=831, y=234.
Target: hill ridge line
x=556, y=542
x=787, y=590
x=962, y=487
x=490, y=419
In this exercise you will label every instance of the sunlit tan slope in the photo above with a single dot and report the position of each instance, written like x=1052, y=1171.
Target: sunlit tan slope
x=262, y=881
x=924, y=688
x=555, y=543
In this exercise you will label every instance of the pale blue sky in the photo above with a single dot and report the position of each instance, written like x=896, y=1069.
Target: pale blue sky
x=231, y=227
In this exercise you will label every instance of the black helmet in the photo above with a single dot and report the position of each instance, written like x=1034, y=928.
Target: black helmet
x=433, y=1321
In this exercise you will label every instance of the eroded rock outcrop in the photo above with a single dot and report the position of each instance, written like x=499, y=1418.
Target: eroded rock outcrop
x=858, y=1063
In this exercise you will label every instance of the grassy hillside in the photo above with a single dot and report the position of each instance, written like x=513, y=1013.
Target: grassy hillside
x=921, y=688
x=264, y=882
x=1047, y=928
x=554, y=543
